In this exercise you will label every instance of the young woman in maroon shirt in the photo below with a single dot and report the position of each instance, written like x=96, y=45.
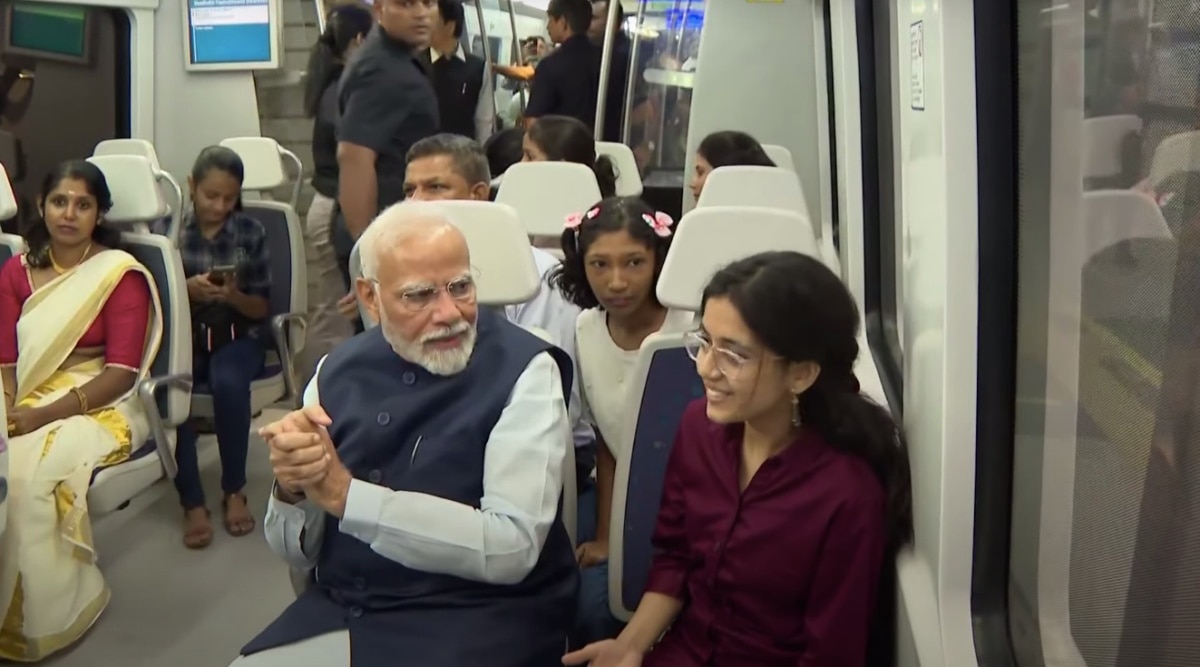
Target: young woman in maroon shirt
x=785, y=492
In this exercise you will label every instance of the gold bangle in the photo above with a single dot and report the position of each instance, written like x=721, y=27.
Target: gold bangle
x=83, y=400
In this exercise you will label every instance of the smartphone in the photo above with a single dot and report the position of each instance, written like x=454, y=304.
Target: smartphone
x=219, y=274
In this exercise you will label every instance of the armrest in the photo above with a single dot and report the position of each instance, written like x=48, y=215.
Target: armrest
x=281, y=326
x=148, y=395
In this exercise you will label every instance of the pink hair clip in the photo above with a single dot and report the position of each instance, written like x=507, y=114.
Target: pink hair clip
x=660, y=222
x=576, y=219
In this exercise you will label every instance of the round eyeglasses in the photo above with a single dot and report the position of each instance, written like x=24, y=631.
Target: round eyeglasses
x=728, y=363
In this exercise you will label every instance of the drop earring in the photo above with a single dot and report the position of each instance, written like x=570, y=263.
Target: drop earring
x=796, y=421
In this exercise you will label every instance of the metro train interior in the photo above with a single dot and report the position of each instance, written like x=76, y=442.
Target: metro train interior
x=973, y=169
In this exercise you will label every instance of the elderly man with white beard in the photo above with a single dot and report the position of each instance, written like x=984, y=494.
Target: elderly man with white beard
x=422, y=478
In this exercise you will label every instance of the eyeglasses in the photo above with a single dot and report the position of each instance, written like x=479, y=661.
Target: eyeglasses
x=729, y=363
x=421, y=298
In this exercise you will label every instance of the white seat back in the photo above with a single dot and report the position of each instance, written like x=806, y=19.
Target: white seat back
x=500, y=253
x=8, y=198
x=771, y=187
x=263, y=159
x=1102, y=138
x=128, y=147
x=137, y=199
x=707, y=239
x=781, y=156
x=1113, y=216
x=629, y=177
x=545, y=193
x=1176, y=154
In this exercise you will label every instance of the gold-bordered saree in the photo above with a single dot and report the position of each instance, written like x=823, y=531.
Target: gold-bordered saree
x=50, y=587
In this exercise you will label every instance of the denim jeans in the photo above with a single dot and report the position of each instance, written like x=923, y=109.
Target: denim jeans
x=593, y=620
x=228, y=373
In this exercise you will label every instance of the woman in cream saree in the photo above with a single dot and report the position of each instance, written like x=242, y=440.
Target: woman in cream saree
x=51, y=590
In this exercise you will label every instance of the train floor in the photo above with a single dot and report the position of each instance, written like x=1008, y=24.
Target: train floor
x=175, y=606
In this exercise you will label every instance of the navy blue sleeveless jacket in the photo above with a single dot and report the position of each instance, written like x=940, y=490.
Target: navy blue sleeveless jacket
x=381, y=405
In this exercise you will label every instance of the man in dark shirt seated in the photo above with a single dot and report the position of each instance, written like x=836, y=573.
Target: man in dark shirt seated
x=566, y=81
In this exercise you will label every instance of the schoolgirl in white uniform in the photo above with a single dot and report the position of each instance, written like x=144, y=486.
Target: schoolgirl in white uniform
x=613, y=254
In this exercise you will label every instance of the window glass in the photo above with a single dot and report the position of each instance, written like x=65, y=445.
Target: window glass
x=1105, y=560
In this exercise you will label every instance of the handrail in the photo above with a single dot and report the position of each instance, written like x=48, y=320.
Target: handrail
x=489, y=66
x=321, y=14
x=631, y=82
x=610, y=38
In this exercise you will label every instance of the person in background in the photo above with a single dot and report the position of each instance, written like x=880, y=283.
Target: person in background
x=504, y=149
x=567, y=80
x=385, y=104
x=228, y=271
x=727, y=148
x=80, y=325
x=345, y=29
x=565, y=139
x=449, y=167
x=613, y=255
x=812, y=476
x=466, y=104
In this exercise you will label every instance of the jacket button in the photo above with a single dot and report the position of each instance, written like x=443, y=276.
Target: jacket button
x=409, y=377
x=374, y=477
x=383, y=419
x=356, y=611
x=360, y=583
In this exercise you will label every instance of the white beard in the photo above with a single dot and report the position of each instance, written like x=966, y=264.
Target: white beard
x=438, y=362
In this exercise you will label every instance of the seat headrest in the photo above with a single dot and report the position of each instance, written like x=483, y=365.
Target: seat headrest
x=781, y=156
x=707, y=239
x=545, y=193
x=129, y=147
x=772, y=187
x=263, y=159
x=134, y=185
x=8, y=199
x=500, y=251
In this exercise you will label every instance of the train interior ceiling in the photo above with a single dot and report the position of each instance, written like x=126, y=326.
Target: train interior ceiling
x=1004, y=184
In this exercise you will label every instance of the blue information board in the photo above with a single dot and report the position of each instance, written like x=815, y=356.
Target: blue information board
x=230, y=32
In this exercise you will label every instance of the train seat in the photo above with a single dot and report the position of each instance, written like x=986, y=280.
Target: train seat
x=141, y=202
x=1114, y=216
x=143, y=148
x=629, y=177
x=773, y=187
x=165, y=394
x=781, y=156
x=1175, y=154
x=263, y=159
x=664, y=379
x=11, y=245
x=545, y=193
x=1103, y=137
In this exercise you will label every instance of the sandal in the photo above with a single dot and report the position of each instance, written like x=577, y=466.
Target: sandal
x=238, y=526
x=196, y=535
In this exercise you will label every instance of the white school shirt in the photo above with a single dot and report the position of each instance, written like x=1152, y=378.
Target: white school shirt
x=603, y=369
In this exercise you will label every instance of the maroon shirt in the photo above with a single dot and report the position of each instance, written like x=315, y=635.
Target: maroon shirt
x=784, y=573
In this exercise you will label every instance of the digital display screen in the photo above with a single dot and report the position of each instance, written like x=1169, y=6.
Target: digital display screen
x=229, y=31
x=48, y=30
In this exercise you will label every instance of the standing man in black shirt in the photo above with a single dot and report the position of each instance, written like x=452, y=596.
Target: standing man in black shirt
x=386, y=105
x=464, y=94
x=566, y=81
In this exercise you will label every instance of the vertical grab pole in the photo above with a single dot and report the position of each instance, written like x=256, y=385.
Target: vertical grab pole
x=487, y=58
x=631, y=82
x=610, y=38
